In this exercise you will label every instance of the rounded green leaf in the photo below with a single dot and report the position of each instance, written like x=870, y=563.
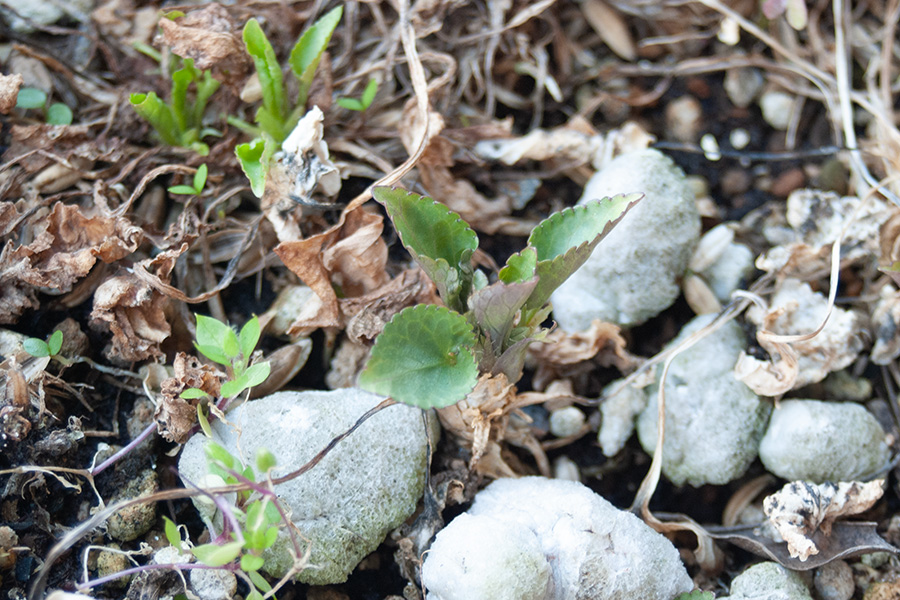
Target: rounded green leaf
x=265, y=460
x=213, y=555
x=59, y=114
x=35, y=347
x=424, y=357
x=251, y=562
x=55, y=342
x=30, y=97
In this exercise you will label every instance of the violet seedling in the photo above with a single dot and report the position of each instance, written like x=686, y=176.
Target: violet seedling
x=431, y=356
x=276, y=118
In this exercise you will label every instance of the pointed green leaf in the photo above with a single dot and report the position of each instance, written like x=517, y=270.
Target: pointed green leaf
x=495, y=308
x=423, y=357
x=270, y=78
x=429, y=230
x=350, y=104
x=159, y=115
x=254, y=158
x=565, y=240
x=368, y=95
x=171, y=531
x=203, y=421
x=213, y=340
x=271, y=537
x=193, y=394
x=258, y=581
x=232, y=388
x=182, y=189
x=231, y=346
x=216, y=452
x=307, y=53
x=200, y=178
x=35, y=347
x=257, y=373
x=213, y=555
x=250, y=333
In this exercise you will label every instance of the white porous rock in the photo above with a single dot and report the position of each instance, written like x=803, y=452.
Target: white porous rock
x=819, y=441
x=768, y=581
x=729, y=271
x=633, y=273
x=366, y=486
x=42, y=12
x=619, y=412
x=566, y=421
x=713, y=421
x=519, y=529
x=213, y=584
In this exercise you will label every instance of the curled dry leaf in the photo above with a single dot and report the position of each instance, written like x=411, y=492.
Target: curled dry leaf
x=210, y=37
x=800, y=508
x=796, y=310
x=886, y=326
x=174, y=415
x=9, y=91
x=351, y=255
x=560, y=351
x=485, y=418
x=284, y=364
x=489, y=216
x=367, y=315
x=134, y=311
x=65, y=246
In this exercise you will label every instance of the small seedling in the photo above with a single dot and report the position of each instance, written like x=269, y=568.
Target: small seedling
x=364, y=101
x=198, y=184
x=219, y=343
x=39, y=348
x=276, y=118
x=179, y=122
x=695, y=595
x=431, y=356
x=56, y=113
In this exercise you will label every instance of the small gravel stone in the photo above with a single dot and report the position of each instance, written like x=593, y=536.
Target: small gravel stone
x=213, y=584
x=767, y=581
x=684, y=117
x=743, y=86
x=566, y=421
x=834, y=581
x=777, y=107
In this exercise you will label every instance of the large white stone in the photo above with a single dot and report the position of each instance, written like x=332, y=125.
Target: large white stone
x=823, y=441
x=633, y=273
x=713, y=421
x=590, y=548
x=366, y=486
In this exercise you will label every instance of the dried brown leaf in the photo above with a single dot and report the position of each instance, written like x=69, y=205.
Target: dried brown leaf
x=366, y=315
x=9, y=91
x=174, y=415
x=210, y=37
x=134, y=311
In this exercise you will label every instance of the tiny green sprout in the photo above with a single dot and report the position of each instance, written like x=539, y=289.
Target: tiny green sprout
x=198, y=184
x=56, y=113
x=179, y=122
x=219, y=343
x=39, y=348
x=364, y=101
x=277, y=116
x=695, y=595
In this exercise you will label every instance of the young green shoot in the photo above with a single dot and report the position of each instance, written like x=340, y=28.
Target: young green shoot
x=196, y=188
x=55, y=113
x=39, y=348
x=179, y=122
x=432, y=356
x=364, y=101
x=278, y=116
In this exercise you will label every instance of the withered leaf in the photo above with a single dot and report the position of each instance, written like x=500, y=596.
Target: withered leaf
x=847, y=539
x=9, y=91
x=209, y=37
x=174, y=415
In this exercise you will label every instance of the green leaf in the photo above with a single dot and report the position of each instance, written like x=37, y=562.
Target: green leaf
x=203, y=421
x=30, y=97
x=254, y=158
x=230, y=344
x=368, y=95
x=159, y=115
x=424, y=357
x=54, y=344
x=695, y=595
x=217, y=453
x=193, y=394
x=254, y=594
x=271, y=537
x=265, y=460
x=495, y=308
x=437, y=238
x=350, y=104
x=59, y=114
x=257, y=373
x=200, y=178
x=272, y=515
x=565, y=240
x=251, y=562
x=211, y=340
x=36, y=347
x=182, y=189
x=519, y=267
x=181, y=80
x=270, y=78
x=205, y=88
x=250, y=333
x=307, y=52
x=171, y=530
x=256, y=516
x=259, y=581
x=213, y=555
x=232, y=388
